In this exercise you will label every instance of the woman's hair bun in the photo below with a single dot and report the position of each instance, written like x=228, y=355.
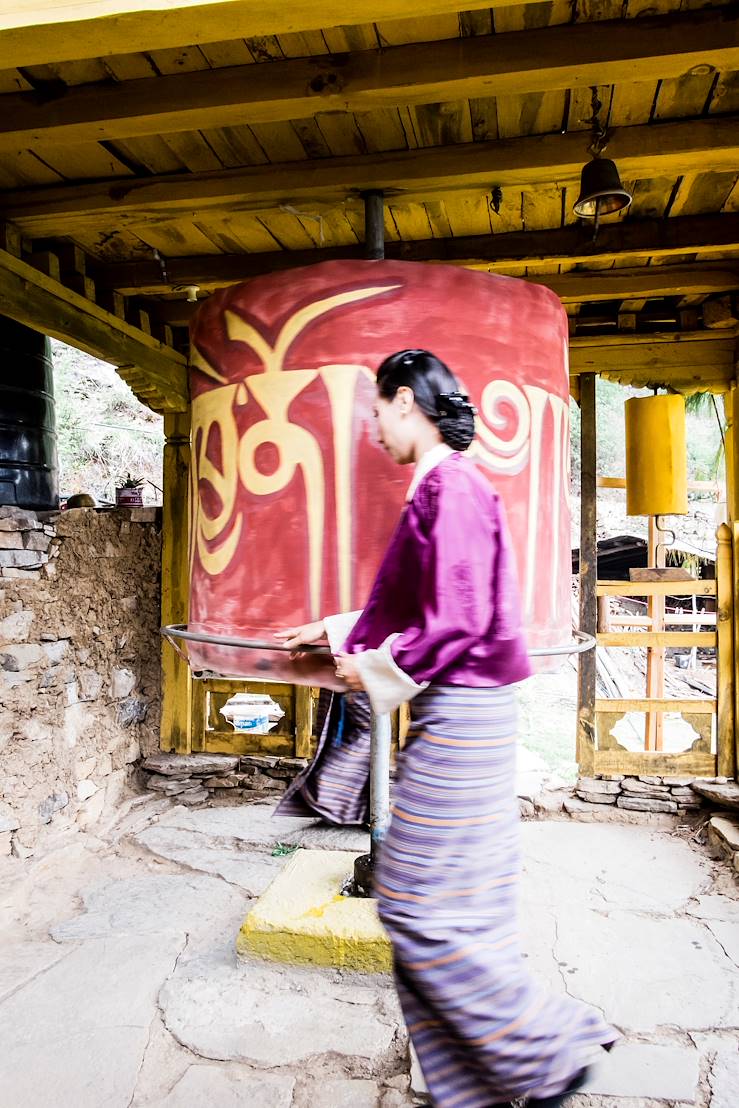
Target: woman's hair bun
x=436, y=390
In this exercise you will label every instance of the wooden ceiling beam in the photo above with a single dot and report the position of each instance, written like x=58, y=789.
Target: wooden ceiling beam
x=154, y=371
x=488, y=65
x=598, y=286
x=657, y=238
x=39, y=32
x=646, y=282
x=652, y=150
x=701, y=361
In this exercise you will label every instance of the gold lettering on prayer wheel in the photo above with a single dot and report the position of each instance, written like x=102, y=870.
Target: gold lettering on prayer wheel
x=656, y=456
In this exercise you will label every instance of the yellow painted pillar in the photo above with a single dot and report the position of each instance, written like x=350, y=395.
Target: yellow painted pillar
x=176, y=721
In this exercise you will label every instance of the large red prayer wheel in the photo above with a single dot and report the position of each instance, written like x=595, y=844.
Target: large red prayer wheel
x=293, y=499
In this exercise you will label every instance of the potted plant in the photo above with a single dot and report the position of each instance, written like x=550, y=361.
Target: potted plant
x=128, y=493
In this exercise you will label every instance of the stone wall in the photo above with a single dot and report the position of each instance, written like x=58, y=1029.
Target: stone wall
x=194, y=778
x=641, y=794
x=79, y=664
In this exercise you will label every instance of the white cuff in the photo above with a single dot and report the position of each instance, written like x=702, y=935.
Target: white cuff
x=384, y=681
x=338, y=628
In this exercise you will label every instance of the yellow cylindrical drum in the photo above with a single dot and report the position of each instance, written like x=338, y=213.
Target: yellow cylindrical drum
x=656, y=456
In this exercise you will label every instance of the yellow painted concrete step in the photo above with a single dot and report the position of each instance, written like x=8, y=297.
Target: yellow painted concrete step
x=303, y=918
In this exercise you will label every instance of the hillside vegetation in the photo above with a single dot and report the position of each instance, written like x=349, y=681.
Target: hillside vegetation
x=104, y=433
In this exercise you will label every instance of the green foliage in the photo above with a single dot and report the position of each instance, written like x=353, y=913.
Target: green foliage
x=103, y=430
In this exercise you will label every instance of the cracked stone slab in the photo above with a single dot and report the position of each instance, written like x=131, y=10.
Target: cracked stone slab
x=228, y=1088
x=154, y=904
x=321, y=837
x=82, y=1027
x=645, y=972
x=727, y=935
x=252, y=872
x=248, y=825
x=269, y=1016
x=721, y=915
x=623, y=866
x=647, y=1070
x=254, y=826
x=344, y=1093
x=538, y=926
x=715, y=906
x=20, y=962
x=724, y=1078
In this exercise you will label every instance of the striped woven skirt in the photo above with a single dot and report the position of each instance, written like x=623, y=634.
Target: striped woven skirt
x=335, y=786
x=447, y=885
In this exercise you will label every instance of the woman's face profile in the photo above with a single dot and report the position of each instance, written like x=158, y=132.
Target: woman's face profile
x=394, y=427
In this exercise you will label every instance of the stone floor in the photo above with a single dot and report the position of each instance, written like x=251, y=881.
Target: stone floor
x=119, y=987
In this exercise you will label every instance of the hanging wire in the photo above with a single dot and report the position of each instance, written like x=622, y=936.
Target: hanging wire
x=162, y=265
x=598, y=131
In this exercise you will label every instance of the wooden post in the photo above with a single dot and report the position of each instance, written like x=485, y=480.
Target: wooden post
x=725, y=653
x=176, y=719
x=654, y=729
x=731, y=459
x=303, y=721
x=588, y=574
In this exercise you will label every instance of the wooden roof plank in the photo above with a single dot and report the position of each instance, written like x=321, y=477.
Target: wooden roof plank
x=518, y=67
x=658, y=149
x=41, y=31
x=619, y=242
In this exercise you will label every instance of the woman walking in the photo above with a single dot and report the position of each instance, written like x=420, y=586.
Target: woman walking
x=441, y=629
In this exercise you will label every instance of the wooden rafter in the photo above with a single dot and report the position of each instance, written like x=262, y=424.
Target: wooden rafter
x=156, y=374
x=422, y=73
x=656, y=238
x=666, y=149
x=37, y=32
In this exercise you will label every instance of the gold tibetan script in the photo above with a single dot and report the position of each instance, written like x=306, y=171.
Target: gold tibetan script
x=216, y=537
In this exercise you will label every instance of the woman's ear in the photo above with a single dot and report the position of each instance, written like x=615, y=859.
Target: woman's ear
x=405, y=399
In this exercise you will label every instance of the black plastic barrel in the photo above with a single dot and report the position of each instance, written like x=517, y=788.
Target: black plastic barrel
x=28, y=459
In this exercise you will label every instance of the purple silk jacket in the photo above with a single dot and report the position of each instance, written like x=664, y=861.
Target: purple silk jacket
x=447, y=588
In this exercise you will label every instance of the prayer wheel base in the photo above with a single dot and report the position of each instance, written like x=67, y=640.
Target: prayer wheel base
x=364, y=868
x=302, y=918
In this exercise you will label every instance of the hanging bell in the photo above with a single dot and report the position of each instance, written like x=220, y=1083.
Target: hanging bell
x=601, y=191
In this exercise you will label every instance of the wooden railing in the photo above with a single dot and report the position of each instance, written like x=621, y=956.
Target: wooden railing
x=603, y=753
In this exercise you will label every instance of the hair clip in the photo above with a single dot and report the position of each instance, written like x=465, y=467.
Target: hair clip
x=454, y=404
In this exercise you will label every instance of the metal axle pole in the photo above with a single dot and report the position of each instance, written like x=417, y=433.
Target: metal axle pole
x=380, y=737
x=364, y=866
x=374, y=224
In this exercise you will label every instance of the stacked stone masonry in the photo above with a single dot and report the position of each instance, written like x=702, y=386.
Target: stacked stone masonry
x=194, y=778
x=79, y=665
x=669, y=795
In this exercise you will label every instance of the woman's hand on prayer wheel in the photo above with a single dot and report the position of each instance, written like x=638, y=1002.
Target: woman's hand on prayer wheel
x=306, y=635
x=348, y=671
